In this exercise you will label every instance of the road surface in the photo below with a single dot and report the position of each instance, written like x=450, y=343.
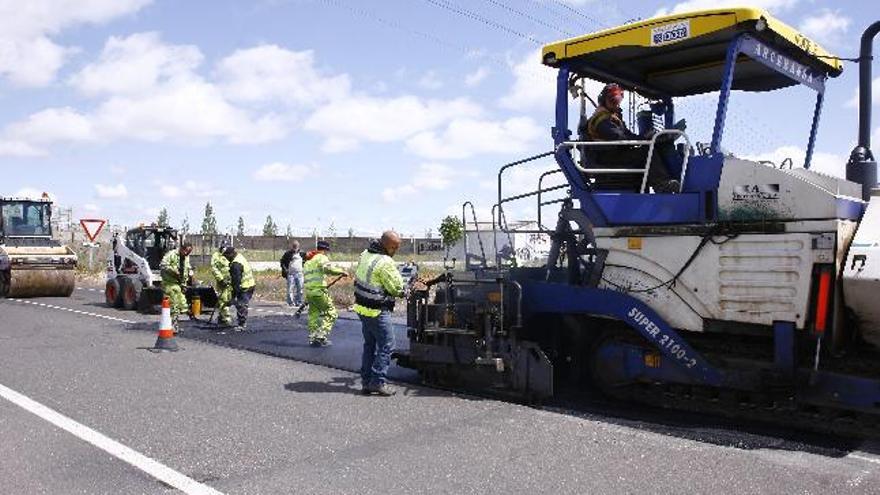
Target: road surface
x=85, y=408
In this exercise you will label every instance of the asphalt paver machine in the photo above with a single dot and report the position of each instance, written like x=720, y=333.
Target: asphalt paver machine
x=32, y=263
x=752, y=291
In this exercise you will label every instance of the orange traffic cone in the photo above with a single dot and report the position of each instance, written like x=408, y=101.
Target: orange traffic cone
x=166, y=341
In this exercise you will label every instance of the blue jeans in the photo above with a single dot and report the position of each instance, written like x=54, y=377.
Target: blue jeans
x=294, y=289
x=378, y=344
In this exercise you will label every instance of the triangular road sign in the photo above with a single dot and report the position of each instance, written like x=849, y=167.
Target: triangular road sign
x=92, y=227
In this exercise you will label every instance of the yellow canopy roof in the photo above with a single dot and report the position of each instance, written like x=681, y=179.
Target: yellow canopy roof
x=684, y=53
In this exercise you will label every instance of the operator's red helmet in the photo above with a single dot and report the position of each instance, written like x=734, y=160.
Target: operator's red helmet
x=611, y=90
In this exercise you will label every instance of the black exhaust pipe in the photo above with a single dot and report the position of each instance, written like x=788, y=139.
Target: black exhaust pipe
x=861, y=167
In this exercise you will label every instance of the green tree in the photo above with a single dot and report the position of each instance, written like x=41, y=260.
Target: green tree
x=239, y=231
x=209, y=223
x=162, y=221
x=350, y=232
x=270, y=228
x=289, y=231
x=451, y=231
x=184, y=226
x=331, y=230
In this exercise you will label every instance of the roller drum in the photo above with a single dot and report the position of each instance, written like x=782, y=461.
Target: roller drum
x=41, y=282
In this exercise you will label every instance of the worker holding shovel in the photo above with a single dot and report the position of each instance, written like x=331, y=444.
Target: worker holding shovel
x=322, y=312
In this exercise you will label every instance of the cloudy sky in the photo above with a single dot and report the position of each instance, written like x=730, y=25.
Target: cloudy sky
x=364, y=114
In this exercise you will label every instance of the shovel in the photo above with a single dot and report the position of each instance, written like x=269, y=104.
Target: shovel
x=302, y=306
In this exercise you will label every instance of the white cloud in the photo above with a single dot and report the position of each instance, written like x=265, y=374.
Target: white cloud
x=828, y=26
x=137, y=64
x=770, y=5
x=117, y=191
x=430, y=80
x=158, y=97
x=476, y=77
x=347, y=122
x=534, y=85
x=826, y=163
x=28, y=56
x=283, y=172
x=19, y=148
x=875, y=94
x=51, y=125
x=429, y=176
x=268, y=73
x=464, y=138
x=189, y=189
x=182, y=112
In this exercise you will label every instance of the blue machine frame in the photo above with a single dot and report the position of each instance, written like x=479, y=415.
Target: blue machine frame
x=696, y=204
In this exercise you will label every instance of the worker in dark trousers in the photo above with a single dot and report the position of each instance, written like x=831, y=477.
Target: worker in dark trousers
x=377, y=283
x=243, y=284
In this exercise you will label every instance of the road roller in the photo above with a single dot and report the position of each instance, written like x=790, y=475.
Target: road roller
x=32, y=263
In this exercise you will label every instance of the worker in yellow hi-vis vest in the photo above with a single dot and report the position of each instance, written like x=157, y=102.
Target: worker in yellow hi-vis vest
x=322, y=312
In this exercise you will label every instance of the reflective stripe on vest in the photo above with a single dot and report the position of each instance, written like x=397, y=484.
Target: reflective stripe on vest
x=367, y=293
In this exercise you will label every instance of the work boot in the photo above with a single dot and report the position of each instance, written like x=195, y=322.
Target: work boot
x=667, y=187
x=383, y=391
x=314, y=343
x=325, y=342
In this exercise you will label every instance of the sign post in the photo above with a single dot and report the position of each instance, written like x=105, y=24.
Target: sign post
x=92, y=228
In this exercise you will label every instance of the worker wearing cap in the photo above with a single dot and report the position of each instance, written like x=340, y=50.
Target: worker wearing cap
x=376, y=285
x=607, y=124
x=223, y=285
x=242, y=283
x=322, y=312
x=176, y=273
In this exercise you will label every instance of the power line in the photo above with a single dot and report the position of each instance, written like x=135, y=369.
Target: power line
x=469, y=51
x=577, y=12
x=443, y=4
x=544, y=7
x=529, y=17
x=397, y=25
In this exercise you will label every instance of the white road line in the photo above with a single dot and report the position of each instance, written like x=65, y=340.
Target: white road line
x=74, y=311
x=154, y=468
x=864, y=458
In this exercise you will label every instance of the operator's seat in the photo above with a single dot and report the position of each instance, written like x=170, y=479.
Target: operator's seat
x=607, y=181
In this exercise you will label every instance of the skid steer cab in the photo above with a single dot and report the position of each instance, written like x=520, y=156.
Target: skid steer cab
x=736, y=287
x=133, y=278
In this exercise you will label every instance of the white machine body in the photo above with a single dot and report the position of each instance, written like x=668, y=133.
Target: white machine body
x=861, y=273
x=758, y=277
